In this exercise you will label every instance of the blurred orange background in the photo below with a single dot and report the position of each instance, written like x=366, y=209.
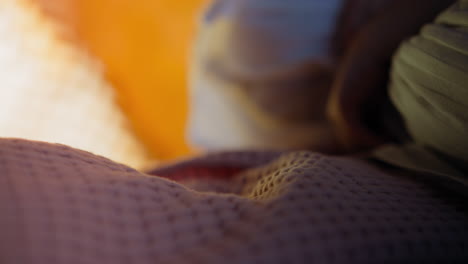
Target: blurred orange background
x=144, y=46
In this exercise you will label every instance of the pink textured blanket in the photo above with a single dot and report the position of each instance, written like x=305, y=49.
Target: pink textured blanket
x=61, y=205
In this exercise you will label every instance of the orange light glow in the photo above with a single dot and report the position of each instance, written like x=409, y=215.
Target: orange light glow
x=144, y=46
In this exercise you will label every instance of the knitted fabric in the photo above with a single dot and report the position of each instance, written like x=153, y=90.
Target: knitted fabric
x=61, y=205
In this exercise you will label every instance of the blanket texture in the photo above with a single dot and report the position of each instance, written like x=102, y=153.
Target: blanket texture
x=61, y=205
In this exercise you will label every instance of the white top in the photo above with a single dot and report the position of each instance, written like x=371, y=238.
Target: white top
x=244, y=47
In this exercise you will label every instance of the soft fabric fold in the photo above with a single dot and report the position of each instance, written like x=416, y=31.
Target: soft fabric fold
x=429, y=87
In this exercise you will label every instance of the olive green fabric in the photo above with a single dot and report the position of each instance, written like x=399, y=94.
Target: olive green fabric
x=427, y=164
x=429, y=87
